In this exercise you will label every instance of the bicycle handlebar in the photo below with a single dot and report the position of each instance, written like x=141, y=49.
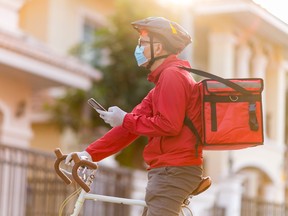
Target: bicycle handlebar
x=60, y=157
x=78, y=163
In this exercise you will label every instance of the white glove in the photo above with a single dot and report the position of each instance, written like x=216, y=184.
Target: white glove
x=114, y=116
x=82, y=155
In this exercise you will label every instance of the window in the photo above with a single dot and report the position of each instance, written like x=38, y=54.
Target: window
x=88, y=30
x=90, y=23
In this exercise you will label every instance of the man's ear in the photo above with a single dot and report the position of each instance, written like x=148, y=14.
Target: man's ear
x=158, y=49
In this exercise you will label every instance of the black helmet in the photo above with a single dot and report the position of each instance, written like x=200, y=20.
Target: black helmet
x=174, y=34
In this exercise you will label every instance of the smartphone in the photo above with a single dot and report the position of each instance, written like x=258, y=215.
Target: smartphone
x=92, y=102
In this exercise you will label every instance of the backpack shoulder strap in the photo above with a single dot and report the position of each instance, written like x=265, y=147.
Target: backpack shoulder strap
x=219, y=79
x=191, y=126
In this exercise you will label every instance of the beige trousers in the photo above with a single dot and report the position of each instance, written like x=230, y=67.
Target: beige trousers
x=168, y=187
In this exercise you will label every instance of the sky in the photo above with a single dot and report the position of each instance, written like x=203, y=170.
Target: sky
x=276, y=7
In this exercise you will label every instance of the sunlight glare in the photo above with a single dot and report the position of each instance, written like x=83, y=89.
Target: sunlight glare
x=174, y=3
x=276, y=7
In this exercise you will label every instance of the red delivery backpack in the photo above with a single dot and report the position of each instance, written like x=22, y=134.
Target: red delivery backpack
x=231, y=112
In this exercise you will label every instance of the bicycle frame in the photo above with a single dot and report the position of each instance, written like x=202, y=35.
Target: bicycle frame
x=96, y=197
x=111, y=199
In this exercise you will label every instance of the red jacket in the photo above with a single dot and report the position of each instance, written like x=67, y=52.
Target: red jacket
x=160, y=116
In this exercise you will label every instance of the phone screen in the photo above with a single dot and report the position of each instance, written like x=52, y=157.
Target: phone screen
x=92, y=102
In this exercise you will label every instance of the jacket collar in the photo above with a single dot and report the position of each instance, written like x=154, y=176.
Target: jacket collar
x=153, y=76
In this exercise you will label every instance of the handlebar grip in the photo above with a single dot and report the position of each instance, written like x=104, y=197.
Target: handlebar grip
x=79, y=163
x=60, y=157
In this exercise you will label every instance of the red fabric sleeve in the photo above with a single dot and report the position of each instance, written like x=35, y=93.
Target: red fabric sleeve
x=113, y=141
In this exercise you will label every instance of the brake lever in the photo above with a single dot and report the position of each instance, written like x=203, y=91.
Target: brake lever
x=81, y=163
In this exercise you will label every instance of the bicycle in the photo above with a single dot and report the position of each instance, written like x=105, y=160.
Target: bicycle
x=85, y=179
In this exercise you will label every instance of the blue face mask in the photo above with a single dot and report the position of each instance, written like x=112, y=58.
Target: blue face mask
x=139, y=55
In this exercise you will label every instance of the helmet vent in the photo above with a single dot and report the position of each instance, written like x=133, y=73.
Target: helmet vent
x=174, y=31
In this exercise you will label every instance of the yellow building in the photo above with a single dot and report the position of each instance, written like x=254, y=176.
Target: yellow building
x=60, y=25
x=35, y=39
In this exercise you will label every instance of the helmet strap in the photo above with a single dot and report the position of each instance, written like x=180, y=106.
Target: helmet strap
x=153, y=59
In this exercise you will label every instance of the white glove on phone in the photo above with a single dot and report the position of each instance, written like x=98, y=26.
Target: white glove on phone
x=114, y=116
x=82, y=155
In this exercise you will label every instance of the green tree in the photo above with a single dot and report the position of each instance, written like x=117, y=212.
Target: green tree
x=124, y=84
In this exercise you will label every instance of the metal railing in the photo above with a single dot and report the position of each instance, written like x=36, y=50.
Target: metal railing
x=217, y=211
x=256, y=207
x=29, y=186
